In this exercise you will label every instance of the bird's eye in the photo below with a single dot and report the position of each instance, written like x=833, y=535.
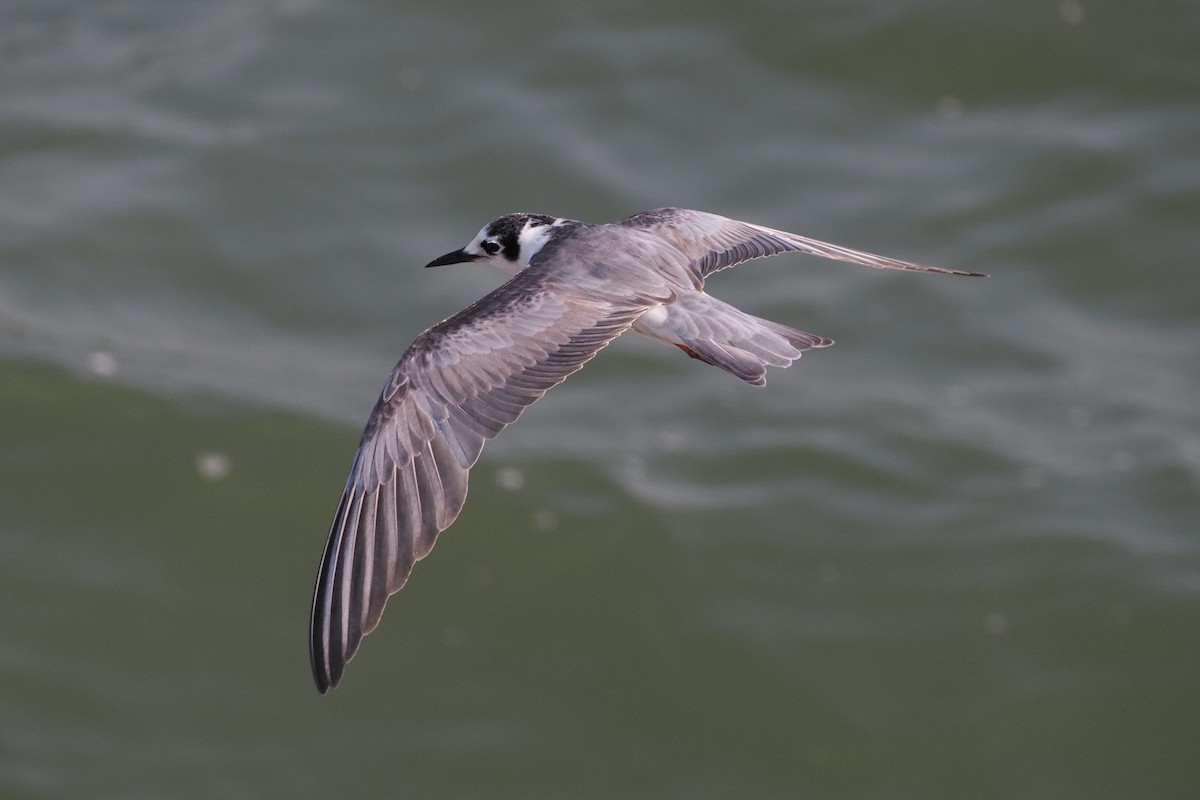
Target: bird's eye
x=491, y=248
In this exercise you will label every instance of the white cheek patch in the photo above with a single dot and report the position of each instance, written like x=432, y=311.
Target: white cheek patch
x=532, y=239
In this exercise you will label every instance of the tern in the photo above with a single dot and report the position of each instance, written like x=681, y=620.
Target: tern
x=575, y=287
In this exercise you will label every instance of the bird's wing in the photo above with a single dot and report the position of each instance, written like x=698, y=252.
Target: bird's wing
x=459, y=384
x=715, y=243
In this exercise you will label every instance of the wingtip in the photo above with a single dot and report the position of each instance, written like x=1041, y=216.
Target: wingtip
x=947, y=271
x=325, y=670
x=324, y=676
x=320, y=675
x=326, y=666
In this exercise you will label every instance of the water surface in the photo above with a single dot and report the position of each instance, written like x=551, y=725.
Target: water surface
x=957, y=555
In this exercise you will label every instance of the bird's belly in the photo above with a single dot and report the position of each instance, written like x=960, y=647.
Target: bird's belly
x=654, y=325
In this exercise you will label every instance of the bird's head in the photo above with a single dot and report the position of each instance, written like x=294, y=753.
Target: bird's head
x=507, y=243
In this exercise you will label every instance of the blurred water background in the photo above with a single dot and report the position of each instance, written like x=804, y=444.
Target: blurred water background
x=957, y=555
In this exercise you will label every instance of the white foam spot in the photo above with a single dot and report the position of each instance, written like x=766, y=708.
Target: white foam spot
x=510, y=478
x=102, y=363
x=213, y=466
x=1071, y=11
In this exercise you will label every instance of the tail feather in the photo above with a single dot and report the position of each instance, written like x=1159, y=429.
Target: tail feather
x=733, y=360
x=719, y=334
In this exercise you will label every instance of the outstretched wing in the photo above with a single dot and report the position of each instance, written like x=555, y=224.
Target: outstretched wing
x=715, y=243
x=459, y=384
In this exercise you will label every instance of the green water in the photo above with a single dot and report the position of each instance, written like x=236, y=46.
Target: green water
x=955, y=556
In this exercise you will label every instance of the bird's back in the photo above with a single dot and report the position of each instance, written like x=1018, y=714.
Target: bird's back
x=615, y=264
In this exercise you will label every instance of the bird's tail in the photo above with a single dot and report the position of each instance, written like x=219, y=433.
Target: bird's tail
x=719, y=334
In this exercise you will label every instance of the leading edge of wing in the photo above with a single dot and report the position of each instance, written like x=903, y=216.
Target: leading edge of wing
x=714, y=243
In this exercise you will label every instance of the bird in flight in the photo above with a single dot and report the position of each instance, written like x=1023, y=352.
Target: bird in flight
x=575, y=288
